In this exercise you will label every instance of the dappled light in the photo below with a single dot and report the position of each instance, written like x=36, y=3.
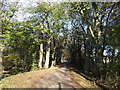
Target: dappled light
x=59, y=44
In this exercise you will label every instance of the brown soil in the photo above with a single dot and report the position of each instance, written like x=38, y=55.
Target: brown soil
x=81, y=82
x=28, y=79
x=56, y=77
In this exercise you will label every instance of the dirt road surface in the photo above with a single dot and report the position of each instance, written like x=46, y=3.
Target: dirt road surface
x=59, y=78
x=55, y=77
x=63, y=78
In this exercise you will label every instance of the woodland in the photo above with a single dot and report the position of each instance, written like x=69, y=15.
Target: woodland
x=85, y=34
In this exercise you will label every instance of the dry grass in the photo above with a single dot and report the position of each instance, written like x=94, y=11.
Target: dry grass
x=8, y=83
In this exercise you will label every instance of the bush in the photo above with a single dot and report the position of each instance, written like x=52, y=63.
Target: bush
x=13, y=63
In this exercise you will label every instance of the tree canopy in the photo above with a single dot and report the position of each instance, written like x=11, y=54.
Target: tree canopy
x=86, y=34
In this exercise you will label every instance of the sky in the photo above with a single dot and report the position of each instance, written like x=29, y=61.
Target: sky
x=20, y=15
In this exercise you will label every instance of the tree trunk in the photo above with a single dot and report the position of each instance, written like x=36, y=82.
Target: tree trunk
x=40, y=56
x=53, y=52
x=1, y=68
x=47, y=56
x=53, y=57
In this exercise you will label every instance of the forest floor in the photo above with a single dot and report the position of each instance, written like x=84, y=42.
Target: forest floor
x=55, y=77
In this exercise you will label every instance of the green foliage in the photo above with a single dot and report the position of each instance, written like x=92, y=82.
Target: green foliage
x=13, y=61
x=96, y=25
x=81, y=31
x=116, y=33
